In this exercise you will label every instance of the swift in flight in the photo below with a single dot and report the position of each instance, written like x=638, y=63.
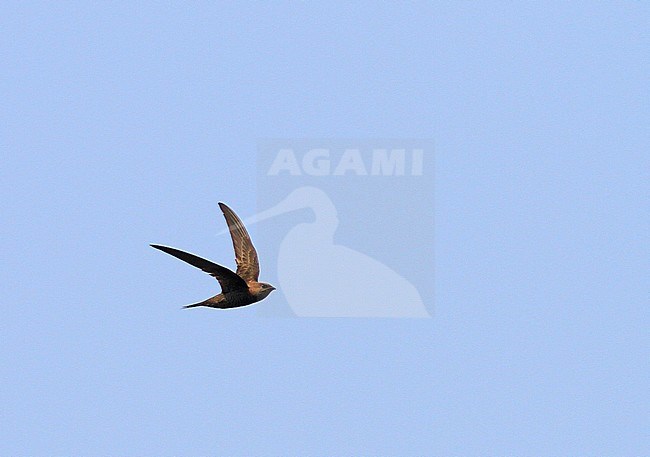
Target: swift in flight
x=237, y=289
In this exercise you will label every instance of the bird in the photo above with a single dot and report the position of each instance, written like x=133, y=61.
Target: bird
x=240, y=288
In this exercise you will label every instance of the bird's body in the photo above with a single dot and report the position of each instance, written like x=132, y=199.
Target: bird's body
x=234, y=299
x=237, y=289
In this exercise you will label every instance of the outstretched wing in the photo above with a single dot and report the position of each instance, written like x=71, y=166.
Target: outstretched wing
x=248, y=266
x=228, y=279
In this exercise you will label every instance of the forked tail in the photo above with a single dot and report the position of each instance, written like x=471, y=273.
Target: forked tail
x=212, y=302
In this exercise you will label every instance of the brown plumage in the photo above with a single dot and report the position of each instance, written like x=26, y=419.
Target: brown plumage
x=237, y=289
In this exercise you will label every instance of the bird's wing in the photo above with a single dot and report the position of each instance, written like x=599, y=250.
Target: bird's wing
x=228, y=279
x=248, y=266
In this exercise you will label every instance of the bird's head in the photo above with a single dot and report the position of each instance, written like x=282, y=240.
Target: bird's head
x=265, y=290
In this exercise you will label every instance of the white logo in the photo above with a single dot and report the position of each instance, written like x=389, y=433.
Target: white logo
x=320, y=278
x=320, y=162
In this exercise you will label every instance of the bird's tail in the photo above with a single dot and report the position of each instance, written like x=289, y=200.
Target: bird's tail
x=211, y=302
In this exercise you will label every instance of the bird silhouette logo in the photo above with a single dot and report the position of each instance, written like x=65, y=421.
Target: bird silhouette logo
x=239, y=288
x=321, y=278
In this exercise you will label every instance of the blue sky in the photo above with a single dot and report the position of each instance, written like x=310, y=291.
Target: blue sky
x=124, y=124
